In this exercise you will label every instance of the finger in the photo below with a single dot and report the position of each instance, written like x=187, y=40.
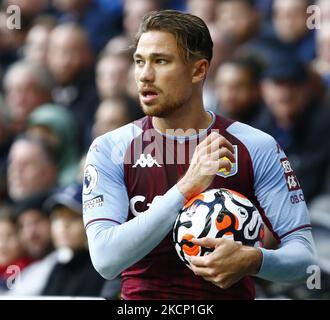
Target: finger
x=221, y=153
x=198, y=262
x=224, y=164
x=201, y=271
x=221, y=142
x=211, y=137
x=206, y=242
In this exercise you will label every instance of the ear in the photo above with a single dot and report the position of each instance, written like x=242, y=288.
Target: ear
x=199, y=71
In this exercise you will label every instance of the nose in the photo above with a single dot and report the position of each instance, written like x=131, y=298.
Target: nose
x=146, y=74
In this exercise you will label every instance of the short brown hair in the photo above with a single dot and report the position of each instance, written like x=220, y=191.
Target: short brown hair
x=191, y=33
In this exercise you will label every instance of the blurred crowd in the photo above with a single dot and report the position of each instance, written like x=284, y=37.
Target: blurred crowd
x=66, y=77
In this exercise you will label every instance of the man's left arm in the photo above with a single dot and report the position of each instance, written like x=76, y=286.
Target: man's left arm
x=231, y=261
x=280, y=200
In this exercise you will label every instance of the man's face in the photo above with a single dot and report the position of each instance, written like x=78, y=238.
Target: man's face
x=22, y=94
x=111, y=76
x=34, y=232
x=163, y=79
x=36, y=44
x=10, y=248
x=290, y=19
x=323, y=43
x=67, y=229
x=235, y=89
x=109, y=116
x=28, y=171
x=285, y=99
x=68, y=55
x=237, y=18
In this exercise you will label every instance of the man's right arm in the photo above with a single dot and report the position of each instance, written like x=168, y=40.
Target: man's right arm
x=115, y=247
x=114, y=243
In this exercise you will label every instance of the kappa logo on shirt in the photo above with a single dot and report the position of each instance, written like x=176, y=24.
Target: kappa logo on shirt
x=146, y=161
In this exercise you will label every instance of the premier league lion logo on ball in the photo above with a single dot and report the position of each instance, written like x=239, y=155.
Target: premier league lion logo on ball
x=216, y=213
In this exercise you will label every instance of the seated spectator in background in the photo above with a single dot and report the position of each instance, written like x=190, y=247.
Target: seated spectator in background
x=102, y=19
x=291, y=30
x=324, y=6
x=131, y=88
x=26, y=86
x=112, y=74
x=36, y=42
x=8, y=53
x=12, y=259
x=32, y=168
x=322, y=62
x=70, y=60
x=74, y=274
x=5, y=142
x=237, y=87
x=205, y=9
x=239, y=18
x=114, y=113
x=56, y=126
x=34, y=227
x=223, y=49
x=35, y=237
x=134, y=10
x=117, y=45
x=297, y=119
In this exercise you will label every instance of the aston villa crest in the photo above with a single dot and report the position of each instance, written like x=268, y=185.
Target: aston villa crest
x=234, y=166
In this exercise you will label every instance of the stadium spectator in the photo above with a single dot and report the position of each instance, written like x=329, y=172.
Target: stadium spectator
x=324, y=6
x=298, y=120
x=239, y=18
x=73, y=274
x=5, y=142
x=206, y=9
x=70, y=60
x=56, y=126
x=291, y=31
x=36, y=42
x=32, y=168
x=12, y=260
x=117, y=45
x=101, y=19
x=131, y=85
x=34, y=234
x=8, y=53
x=134, y=10
x=322, y=62
x=112, y=74
x=223, y=49
x=27, y=86
x=34, y=226
x=114, y=113
x=238, y=90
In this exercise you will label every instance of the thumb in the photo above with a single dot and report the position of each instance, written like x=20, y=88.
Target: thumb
x=206, y=242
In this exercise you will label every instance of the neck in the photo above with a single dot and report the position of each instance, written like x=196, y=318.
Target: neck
x=189, y=118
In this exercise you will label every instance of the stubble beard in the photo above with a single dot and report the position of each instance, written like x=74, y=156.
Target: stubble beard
x=162, y=110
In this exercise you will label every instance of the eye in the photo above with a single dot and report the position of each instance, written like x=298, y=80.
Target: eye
x=161, y=61
x=138, y=62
